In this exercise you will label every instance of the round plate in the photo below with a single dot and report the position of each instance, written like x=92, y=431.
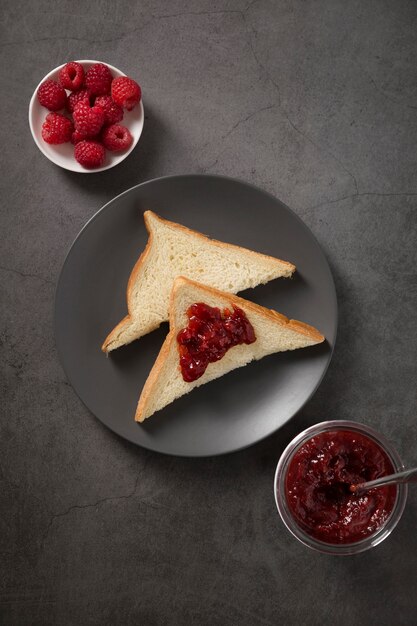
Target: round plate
x=63, y=154
x=238, y=409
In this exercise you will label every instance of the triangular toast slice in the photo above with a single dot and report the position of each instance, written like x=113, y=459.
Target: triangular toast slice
x=274, y=333
x=173, y=250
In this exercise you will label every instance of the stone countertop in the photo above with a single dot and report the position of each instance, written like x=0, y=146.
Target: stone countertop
x=314, y=101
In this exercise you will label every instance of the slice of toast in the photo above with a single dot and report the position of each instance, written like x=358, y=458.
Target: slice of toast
x=274, y=333
x=173, y=250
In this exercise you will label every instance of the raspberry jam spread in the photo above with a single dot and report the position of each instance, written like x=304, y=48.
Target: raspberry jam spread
x=209, y=335
x=317, y=487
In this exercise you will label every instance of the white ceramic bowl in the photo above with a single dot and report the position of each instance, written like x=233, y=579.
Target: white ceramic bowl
x=63, y=154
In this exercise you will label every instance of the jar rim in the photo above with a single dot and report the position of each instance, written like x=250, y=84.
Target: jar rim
x=287, y=517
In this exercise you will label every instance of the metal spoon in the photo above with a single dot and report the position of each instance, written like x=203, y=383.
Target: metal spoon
x=406, y=476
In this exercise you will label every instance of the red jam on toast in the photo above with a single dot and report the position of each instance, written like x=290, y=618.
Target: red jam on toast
x=209, y=335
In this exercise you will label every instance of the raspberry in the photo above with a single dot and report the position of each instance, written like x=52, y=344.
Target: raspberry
x=88, y=120
x=79, y=96
x=116, y=138
x=71, y=76
x=52, y=95
x=126, y=92
x=90, y=154
x=56, y=128
x=98, y=79
x=77, y=137
x=113, y=113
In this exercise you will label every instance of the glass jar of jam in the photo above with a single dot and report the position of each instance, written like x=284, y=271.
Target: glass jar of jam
x=312, y=483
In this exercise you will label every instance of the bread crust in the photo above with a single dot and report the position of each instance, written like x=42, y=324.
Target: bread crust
x=153, y=375
x=136, y=269
x=291, y=267
x=148, y=216
x=246, y=305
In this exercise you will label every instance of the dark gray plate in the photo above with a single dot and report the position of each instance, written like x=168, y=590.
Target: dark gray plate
x=238, y=409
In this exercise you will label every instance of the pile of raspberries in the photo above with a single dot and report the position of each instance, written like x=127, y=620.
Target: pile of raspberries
x=96, y=103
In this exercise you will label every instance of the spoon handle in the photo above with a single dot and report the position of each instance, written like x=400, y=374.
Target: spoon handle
x=401, y=477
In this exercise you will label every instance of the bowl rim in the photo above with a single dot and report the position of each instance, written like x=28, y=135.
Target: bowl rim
x=76, y=167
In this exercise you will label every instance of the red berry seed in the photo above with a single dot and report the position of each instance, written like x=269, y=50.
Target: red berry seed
x=77, y=137
x=113, y=113
x=52, y=95
x=89, y=154
x=79, y=96
x=98, y=79
x=88, y=120
x=71, y=76
x=116, y=138
x=126, y=92
x=56, y=128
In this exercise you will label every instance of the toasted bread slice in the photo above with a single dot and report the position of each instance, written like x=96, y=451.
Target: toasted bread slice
x=274, y=333
x=173, y=250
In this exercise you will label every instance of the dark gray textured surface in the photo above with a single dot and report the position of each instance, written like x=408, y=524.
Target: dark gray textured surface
x=313, y=101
